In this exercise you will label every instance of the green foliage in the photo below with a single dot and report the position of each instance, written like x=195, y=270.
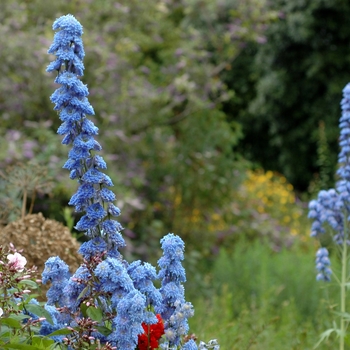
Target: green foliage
x=158, y=98
x=261, y=299
x=324, y=179
x=259, y=275
x=286, y=86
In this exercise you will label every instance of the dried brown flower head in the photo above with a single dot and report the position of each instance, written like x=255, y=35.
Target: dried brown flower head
x=40, y=239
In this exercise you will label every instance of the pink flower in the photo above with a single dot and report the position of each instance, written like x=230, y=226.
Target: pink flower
x=17, y=261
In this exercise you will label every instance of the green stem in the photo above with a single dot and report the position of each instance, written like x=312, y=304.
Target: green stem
x=343, y=290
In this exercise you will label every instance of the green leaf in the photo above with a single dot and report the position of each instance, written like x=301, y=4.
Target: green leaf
x=29, y=283
x=21, y=347
x=39, y=311
x=11, y=322
x=4, y=332
x=20, y=317
x=83, y=292
x=94, y=313
x=104, y=330
x=325, y=335
x=344, y=315
x=62, y=331
x=83, y=309
x=42, y=342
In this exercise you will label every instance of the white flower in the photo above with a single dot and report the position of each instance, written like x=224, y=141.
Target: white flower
x=17, y=260
x=1, y=311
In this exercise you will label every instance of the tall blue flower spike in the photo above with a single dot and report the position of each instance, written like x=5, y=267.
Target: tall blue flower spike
x=57, y=272
x=93, y=197
x=174, y=310
x=143, y=276
x=123, y=290
x=332, y=207
x=127, y=323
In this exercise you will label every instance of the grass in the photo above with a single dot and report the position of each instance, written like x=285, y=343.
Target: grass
x=259, y=299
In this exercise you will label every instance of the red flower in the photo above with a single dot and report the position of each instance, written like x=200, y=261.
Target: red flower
x=152, y=333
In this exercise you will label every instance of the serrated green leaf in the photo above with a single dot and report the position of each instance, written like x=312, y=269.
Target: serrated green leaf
x=94, y=313
x=39, y=311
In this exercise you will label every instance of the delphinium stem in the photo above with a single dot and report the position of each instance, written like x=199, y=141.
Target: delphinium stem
x=343, y=287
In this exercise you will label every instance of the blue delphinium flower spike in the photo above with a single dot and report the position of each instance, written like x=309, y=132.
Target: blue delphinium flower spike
x=143, y=276
x=93, y=197
x=174, y=310
x=323, y=265
x=327, y=209
x=57, y=272
x=332, y=207
x=127, y=323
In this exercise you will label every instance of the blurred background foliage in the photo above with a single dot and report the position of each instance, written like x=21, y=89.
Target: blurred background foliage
x=218, y=120
x=154, y=76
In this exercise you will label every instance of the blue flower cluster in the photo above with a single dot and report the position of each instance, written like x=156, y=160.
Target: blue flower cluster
x=124, y=293
x=57, y=272
x=322, y=265
x=127, y=323
x=174, y=310
x=143, y=276
x=332, y=207
x=93, y=195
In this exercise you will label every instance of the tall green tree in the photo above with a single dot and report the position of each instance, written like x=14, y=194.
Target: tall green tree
x=290, y=84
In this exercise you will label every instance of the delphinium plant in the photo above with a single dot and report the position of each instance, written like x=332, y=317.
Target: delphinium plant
x=108, y=303
x=331, y=213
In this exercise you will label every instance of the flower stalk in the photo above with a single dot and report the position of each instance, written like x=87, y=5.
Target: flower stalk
x=344, y=278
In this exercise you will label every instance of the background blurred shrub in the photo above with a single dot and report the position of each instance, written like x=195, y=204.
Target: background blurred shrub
x=264, y=207
x=154, y=84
